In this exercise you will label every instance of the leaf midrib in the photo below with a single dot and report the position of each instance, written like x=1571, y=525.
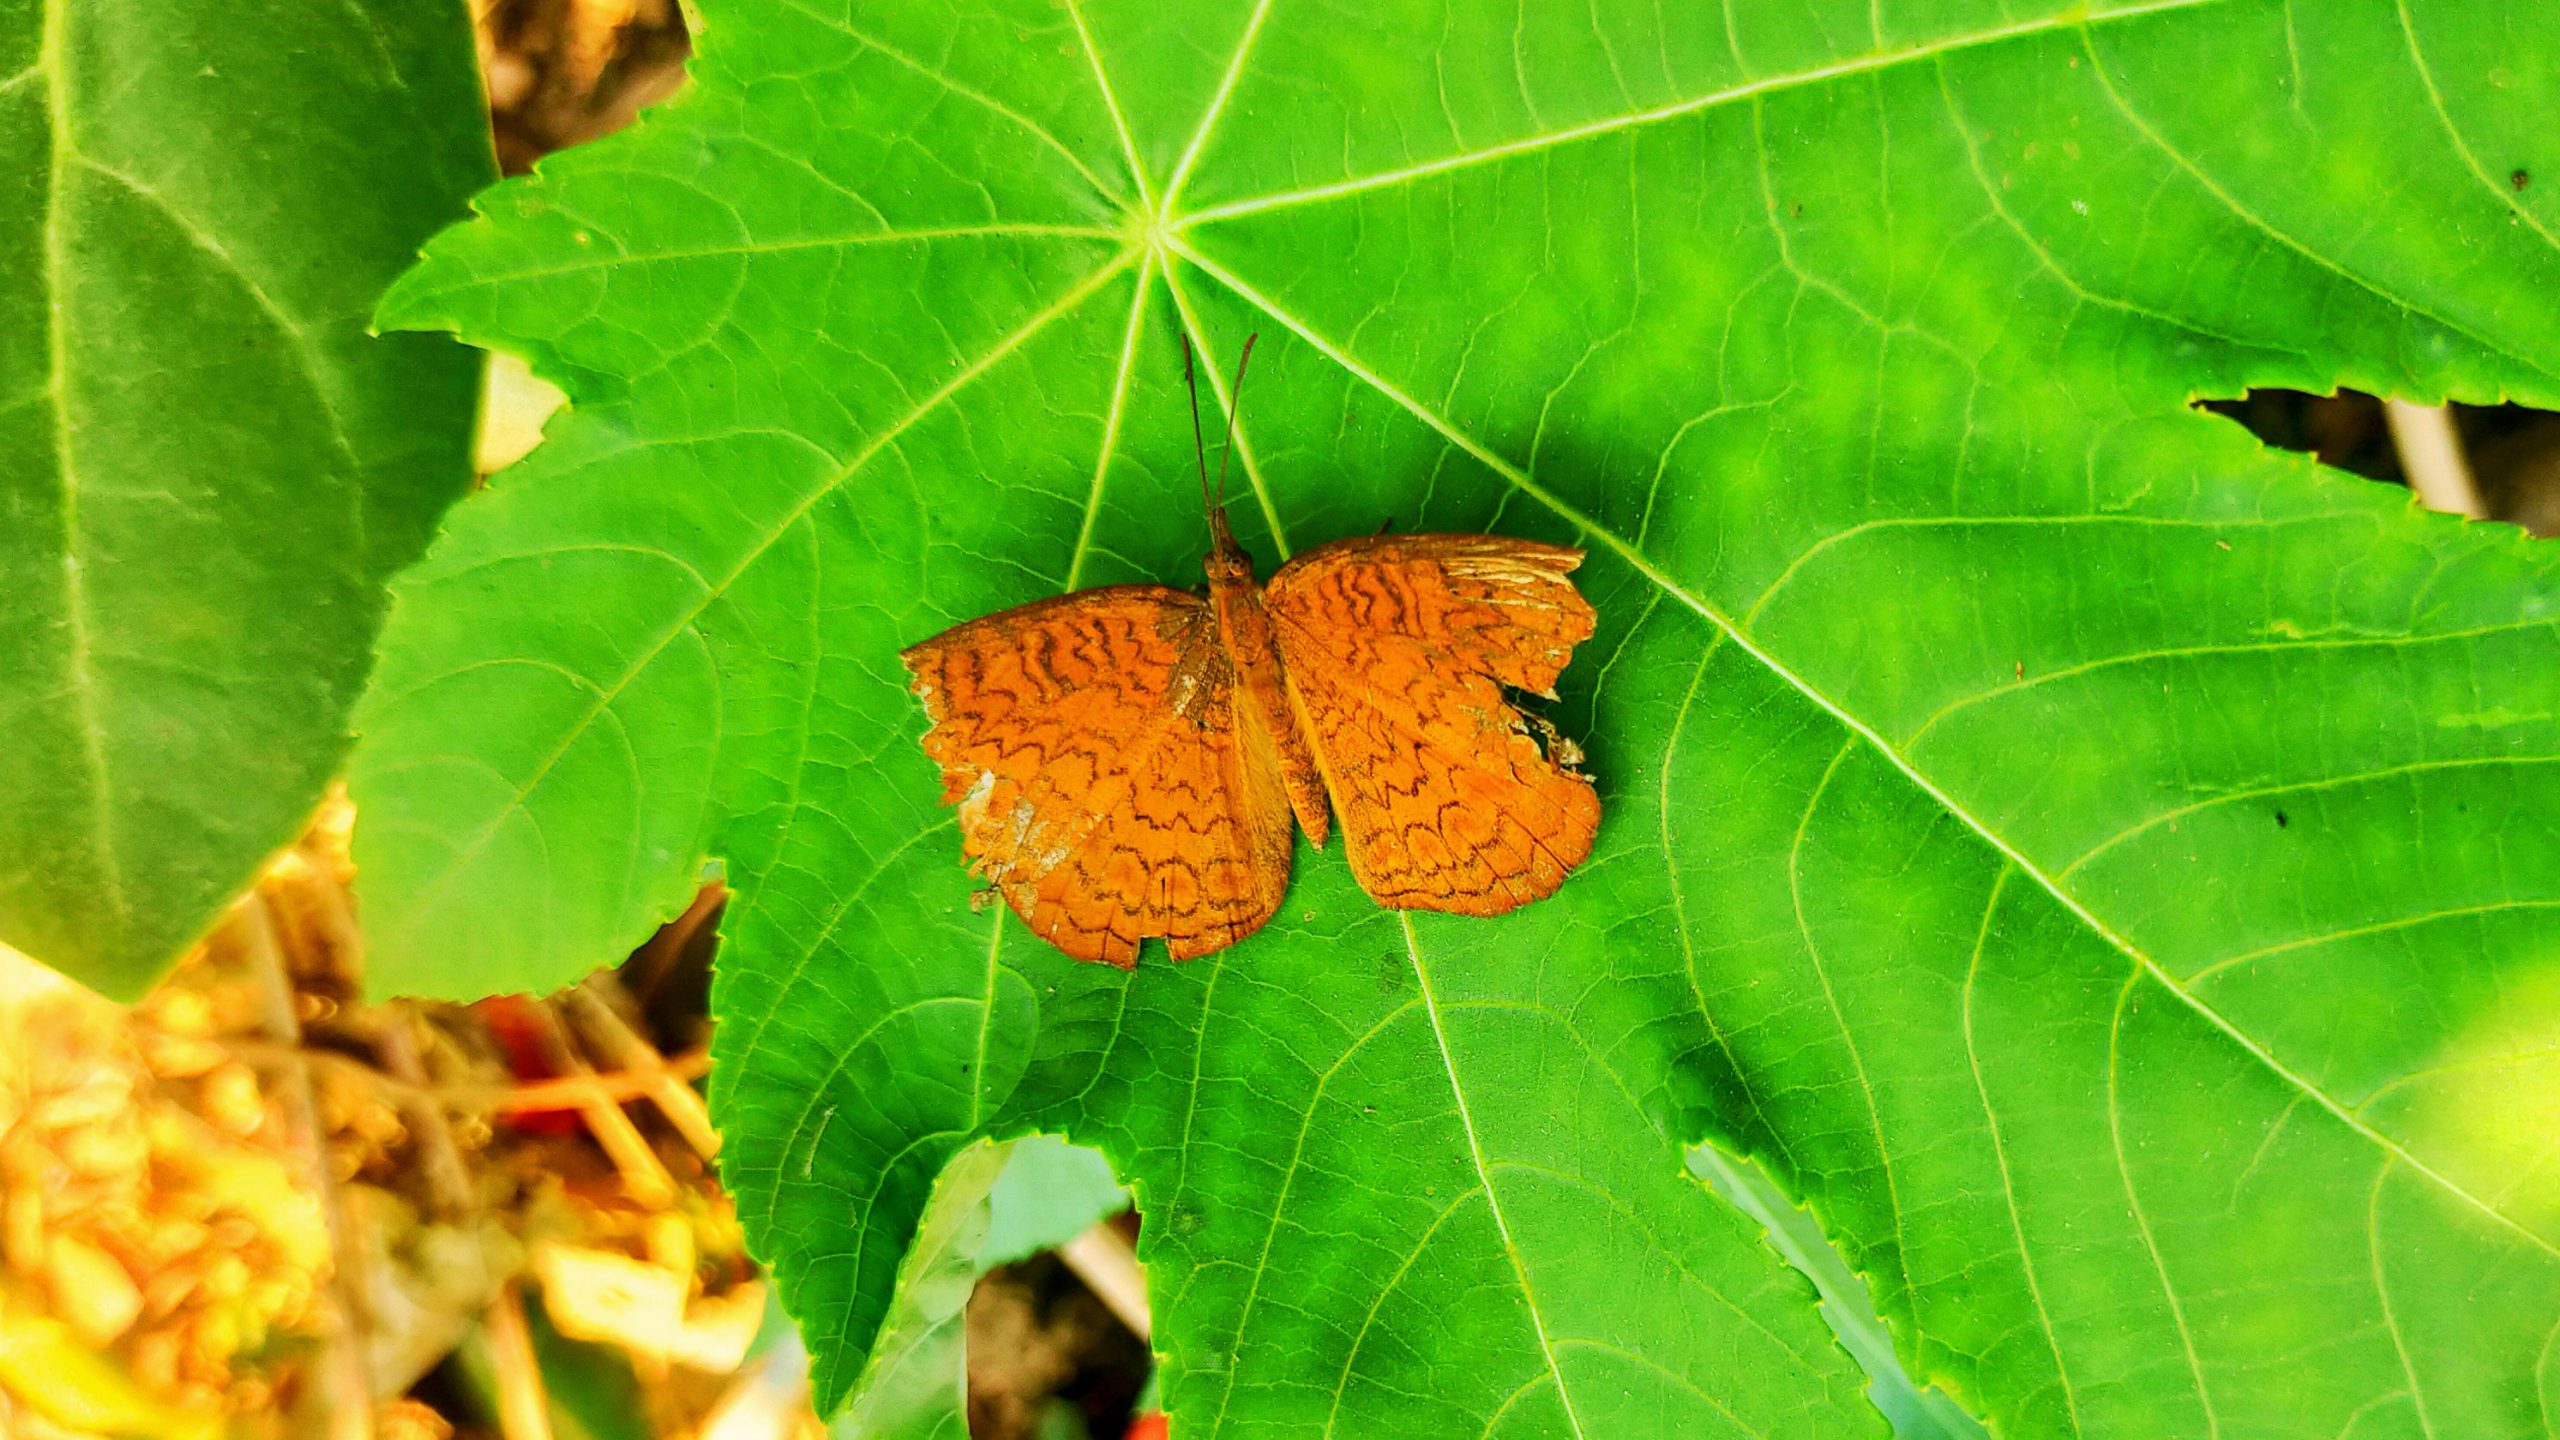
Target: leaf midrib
x=1067, y=302
x=967, y=92
x=51, y=62
x=88, y=688
x=2230, y=202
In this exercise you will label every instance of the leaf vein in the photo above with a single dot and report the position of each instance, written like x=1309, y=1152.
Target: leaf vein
x=2297, y=787
x=1377, y=1302
x=1111, y=103
x=850, y=240
x=1288, y=1179
x=2453, y=132
x=1638, y=119
x=1484, y=1176
x=2382, y=1293
x=657, y=645
x=2307, y=645
x=84, y=682
x=2053, y=885
x=2243, y=213
x=1840, y=1022
x=1111, y=421
x=1217, y=106
x=2141, y=1216
x=2397, y=922
x=961, y=89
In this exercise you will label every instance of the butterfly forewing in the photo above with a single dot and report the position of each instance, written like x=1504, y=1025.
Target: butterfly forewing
x=1397, y=650
x=1105, y=784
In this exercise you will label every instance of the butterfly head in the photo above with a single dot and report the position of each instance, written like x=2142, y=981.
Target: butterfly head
x=1227, y=563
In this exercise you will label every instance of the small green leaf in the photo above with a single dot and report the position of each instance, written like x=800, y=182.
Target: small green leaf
x=2102, y=867
x=1917, y=1413
x=993, y=1205
x=916, y=1386
x=207, y=465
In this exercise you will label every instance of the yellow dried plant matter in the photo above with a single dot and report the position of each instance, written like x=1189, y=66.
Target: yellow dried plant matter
x=149, y=1211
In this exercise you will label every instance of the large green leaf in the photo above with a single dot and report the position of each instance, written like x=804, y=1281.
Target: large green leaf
x=207, y=466
x=2102, y=867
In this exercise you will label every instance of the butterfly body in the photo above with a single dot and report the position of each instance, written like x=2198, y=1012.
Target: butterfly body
x=1245, y=625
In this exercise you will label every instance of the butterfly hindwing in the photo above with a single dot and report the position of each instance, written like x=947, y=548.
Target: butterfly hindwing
x=1105, y=783
x=1397, y=649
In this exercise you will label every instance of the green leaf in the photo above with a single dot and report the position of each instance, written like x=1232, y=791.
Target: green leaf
x=207, y=466
x=1916, y=1413
x=916, y=1386
x=2103, y=868
x=993, y=1205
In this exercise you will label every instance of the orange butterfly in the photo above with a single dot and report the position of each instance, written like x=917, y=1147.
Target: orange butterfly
x=1126, y=759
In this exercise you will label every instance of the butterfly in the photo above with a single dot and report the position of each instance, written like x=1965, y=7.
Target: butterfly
x=1127, y=760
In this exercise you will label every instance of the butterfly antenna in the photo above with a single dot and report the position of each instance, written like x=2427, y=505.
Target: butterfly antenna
x=1235, y=402
x=1199, y=443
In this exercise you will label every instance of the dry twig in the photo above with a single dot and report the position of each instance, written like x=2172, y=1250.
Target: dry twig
x=350, y=1394
x=2431, y=455
x=593, y=1003
x=524, y=1406
x=642, y=1171
x=1103, y=1259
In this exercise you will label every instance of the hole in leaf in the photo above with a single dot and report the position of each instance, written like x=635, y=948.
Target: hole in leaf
x=1918, y=1412
x=515, y=405
x=561, y=74
x=1049, y=1350
x=2513, y=450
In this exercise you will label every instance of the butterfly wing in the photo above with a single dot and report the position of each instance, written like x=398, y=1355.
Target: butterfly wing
x=1107, y=783
x=1397, y=649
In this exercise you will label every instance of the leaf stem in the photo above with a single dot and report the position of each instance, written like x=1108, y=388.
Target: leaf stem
x=2431, y=453
x=524, y=1403
x=594, y=1005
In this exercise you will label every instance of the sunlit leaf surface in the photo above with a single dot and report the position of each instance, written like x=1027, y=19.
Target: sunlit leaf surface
x=2105, y=869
